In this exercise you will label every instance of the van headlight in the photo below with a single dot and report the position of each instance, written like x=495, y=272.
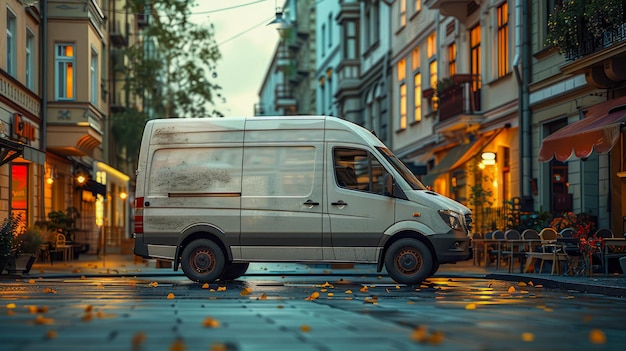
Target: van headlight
x=453, y=219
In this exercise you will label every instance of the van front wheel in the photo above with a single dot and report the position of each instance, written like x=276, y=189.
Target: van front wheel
x=408, y=261
x=233, y=271
x=202, y=261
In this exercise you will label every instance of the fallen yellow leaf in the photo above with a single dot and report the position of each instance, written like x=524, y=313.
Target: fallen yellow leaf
x=313, y=296
x=210, y=322
x=51, y=334
x=522, y=284
x=436, y=338
x=597, y=336
x=205, y=286
x=223, y=288
x=511, y=289
x=88, y=308
x=178, y=345
x=244, y=291
x=138, y=339
x=528, y=337
x=327, y=285
x=364, y=288
x=263, y=297
x=348, y=291
x=43, y=320
x=31, y=281
x=470, y=306
x=330, y=294
x=11, y=305
x=372, y=300
x=49, y=291
x=218, y=347
x=170, y=296
x=153, y=284
x=305, y=328
x=419, y=334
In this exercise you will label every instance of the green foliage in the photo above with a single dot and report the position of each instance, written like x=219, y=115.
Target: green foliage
x=30, y=240
x=573, y=17
x=174, y=62
x=534, y=220
x=8, y=231
x=63, y=222
x=127, y=128
x=480, y=197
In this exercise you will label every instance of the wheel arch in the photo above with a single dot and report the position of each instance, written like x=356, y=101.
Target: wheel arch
x=401, y=235
x=201, y=231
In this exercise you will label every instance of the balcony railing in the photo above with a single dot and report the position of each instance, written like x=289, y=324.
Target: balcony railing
x=459, y=98
x=588, y=44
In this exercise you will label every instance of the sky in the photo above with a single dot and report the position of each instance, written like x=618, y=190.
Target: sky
x=246, y=43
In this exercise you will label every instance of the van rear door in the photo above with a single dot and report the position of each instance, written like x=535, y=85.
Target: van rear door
x=358, y=208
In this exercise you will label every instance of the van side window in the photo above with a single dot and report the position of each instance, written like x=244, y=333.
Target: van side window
x=358, y=169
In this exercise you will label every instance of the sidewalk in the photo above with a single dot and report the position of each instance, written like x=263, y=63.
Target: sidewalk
x=112, y=265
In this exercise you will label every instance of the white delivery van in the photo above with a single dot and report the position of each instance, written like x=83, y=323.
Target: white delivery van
x=214, y=194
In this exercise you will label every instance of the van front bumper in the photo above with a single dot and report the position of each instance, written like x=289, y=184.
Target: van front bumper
x=451, y=247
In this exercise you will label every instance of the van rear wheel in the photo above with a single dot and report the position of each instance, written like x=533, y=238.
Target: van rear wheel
x=234, y=270
x=408, y=261
x=202, y=261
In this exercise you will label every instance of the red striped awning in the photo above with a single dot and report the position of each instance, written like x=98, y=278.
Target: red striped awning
x=599, y=131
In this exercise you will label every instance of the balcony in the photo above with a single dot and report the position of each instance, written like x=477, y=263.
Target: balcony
x=459, y=102
x=459, y=9
x=118, y=34
x=285, y=99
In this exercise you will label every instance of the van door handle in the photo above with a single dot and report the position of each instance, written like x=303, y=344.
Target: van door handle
x=339, y=203
x=311, y=203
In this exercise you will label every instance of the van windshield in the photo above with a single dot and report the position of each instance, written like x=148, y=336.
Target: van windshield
x=402, y=169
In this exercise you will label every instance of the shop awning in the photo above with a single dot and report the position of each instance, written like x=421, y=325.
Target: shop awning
x=10, y=150
x=598, y=131
x=449, y=161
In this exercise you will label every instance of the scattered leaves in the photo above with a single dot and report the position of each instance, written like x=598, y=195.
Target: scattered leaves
x=11, y=305
x=364, y=289
x=153, y=284
x=138, y=339
x=76, y=270
x=178, y=345
x=49, y=291
x=51, y=334
x=305, y=328
x=422, y=335
x=223, y=288
x=313, y=296
x=210, y=323
x=263, y=297
x=243, y=292
x=470, y=306
x=522, y=284
x=31, y=281
x=327, y=285
x=528, y=337
x=331, y=294
x=170, y=296
x=373, y=300
x=43, y=320
x=511, y=289
x=348, y=291
x=205, y=286
x=597, y=336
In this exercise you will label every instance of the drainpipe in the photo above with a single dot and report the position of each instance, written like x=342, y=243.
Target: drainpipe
x=44, y=102
x=522, y=57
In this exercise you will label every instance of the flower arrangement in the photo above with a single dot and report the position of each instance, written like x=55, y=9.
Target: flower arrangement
x=582, y=223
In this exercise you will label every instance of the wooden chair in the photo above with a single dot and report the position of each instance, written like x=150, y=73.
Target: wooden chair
x=514, y=248
x=550, y=250
x=497, y=249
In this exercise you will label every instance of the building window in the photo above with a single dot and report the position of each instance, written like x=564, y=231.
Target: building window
x=433, y=73
x=64, y=72
x=418, y=5
x=30, y=60
x=94, y=77
x=330, y=30
x=415, y=58
x=402, y=13
x=402, y=106
x=475, y=56
x=431, y=45
x=11, y=43
x=401, y=69
x=417, y=80
x=452, y=59
x=351, y=43
x=503, y=39
x=323, y=46
x=20, y=190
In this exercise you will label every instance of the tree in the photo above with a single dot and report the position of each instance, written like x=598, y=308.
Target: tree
x=170, y=72
x=173, y=63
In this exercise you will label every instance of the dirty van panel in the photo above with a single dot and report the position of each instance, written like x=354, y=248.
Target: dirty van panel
x=199, y=131
x=358, y=207
x=281, y=203
x=185, y=185
x=196, y=170
x=269, y=129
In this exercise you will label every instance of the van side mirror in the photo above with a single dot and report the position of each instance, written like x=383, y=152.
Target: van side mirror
x=388, y=184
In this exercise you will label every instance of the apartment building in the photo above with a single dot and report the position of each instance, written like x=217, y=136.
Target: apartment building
x=22, y=132
x=56, y=96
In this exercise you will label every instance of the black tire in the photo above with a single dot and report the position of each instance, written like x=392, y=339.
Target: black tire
x=435, y=268
x=202, y=261
x=233, y=271
x=408, y=261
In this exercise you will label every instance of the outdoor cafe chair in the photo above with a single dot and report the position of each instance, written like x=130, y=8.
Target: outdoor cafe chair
x=496, y=250
x=568, y=233
x=550, y=250
x=514, y=248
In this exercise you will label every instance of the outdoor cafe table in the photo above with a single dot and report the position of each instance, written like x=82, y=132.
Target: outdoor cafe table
x=499, y=244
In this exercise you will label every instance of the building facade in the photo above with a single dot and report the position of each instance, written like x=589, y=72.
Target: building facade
x=57, y=80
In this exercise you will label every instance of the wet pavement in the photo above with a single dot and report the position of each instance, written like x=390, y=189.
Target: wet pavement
x=118, y=303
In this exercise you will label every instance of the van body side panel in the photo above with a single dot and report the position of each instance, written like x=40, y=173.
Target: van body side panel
x=281, y=202
x=193, y=177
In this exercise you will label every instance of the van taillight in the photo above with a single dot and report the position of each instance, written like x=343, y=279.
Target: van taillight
x=139, y=215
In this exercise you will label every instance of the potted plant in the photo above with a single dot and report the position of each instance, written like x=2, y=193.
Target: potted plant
x=7, y=239
x=26, y=244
